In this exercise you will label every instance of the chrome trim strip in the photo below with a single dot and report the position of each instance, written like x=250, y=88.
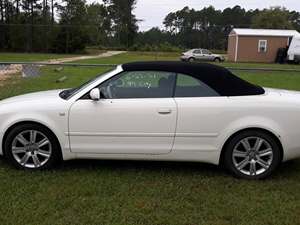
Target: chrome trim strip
x=84, y=134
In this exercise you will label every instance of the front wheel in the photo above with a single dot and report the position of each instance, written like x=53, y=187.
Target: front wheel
x=31, y=146
x=252, y=155
x=218, y=60
x=191, y=60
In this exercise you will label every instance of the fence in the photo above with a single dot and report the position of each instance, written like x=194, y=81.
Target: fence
x=31, y=69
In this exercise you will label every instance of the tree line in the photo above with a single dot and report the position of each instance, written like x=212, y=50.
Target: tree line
x=209, y=28
x=68, y=26
x=65, y=26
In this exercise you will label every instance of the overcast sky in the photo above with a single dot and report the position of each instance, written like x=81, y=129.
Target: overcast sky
x=152, y=12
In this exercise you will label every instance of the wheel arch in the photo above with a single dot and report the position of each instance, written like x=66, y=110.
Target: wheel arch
x=276, y=138
x=12, y=126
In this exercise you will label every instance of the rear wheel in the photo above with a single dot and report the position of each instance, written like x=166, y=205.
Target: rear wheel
x=252, y=155
x=217, y=60
x=31, y=146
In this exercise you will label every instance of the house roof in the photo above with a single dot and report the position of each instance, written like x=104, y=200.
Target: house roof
x=217, y=77
x=265, y=32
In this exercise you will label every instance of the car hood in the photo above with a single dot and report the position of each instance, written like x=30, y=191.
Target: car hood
x=43, y=96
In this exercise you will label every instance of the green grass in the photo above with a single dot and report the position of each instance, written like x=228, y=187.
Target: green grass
x=260, y=65
x=148, y=193
x=114, y=193
x=283, y=80
x=30, y=57
x=75, y=76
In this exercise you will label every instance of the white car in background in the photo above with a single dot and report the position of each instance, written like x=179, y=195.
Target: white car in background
x=294, y=50
x=170, y=111
x=201, y=55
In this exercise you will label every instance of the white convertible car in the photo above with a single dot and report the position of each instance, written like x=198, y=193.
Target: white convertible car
x=156, y=111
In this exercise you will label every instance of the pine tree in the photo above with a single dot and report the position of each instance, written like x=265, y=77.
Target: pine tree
x=125, y=21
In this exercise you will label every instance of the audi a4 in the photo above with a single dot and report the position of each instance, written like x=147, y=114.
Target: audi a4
x=169, y=111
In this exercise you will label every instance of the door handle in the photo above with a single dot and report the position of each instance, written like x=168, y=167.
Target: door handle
x=164, y=111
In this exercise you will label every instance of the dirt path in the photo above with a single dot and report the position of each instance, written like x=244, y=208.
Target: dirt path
x=72, y=59
x=7, y=70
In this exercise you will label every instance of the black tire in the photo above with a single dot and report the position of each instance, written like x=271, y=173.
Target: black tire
x=218, y=60
x=192, y=59
x=54, y=156
x=232, y=144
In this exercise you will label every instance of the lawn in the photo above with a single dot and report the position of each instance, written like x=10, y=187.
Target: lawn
x=132, y=57
x=30, y=57
x=149, y=193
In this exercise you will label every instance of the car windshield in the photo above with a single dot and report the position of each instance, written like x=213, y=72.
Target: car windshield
x=68, y=93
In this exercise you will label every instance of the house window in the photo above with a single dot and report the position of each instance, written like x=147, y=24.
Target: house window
x=262, y=45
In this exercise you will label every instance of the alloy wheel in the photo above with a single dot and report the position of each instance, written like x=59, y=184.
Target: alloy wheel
x=252, y=156
x=31, y=149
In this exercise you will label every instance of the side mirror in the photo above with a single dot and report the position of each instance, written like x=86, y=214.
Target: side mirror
x=95, y=94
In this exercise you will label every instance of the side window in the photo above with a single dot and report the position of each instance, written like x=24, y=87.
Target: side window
x=262, y=45
x=206, y=52
x=139, y=84
x=188, y=86
x=197, y=51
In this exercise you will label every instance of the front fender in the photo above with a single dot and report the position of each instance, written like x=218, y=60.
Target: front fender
x=59, y=127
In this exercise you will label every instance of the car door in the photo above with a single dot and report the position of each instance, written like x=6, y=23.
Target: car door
x=207, y=55
x=197, y=54
x=201, y=113
x=135, y=115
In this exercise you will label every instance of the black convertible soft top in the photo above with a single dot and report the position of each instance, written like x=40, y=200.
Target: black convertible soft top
x=217, y=77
